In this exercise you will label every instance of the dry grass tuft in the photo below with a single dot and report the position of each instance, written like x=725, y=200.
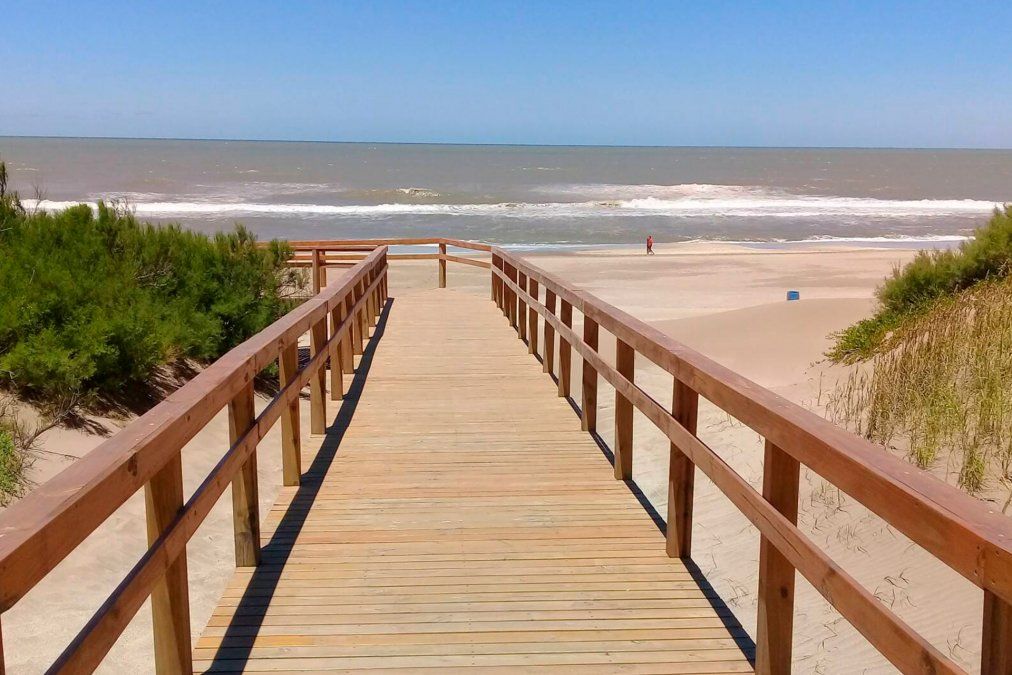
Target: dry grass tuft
x=942, y=385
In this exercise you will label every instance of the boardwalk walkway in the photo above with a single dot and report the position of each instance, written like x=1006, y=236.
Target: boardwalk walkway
x=461, y=519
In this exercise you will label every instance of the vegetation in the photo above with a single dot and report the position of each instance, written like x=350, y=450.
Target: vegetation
x=913, y=290
x=942, y=385
x=95, y=302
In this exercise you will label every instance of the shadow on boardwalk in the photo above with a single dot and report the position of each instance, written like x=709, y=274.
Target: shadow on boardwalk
x=235, y=650
x=237, y=643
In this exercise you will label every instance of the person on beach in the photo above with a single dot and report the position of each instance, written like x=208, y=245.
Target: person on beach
x=650, y=244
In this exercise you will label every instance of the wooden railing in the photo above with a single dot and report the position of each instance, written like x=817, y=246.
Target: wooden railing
x=43, y=528
x=960, y=531
x=38, y=532
x=320, y=255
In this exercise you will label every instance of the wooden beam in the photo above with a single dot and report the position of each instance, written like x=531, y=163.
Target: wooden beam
x=775, y=626
x=336, y=360
x=318, y=381
x=442, y=265
x=532, y=320
x=245, y=500
x=357, y=334
x=170, y=599
x=996, y=644
x=565, y=351
x=626, y=365
x=291, y=443
x=549, y=360
x=588, y=415
x=347, y=340
x=681, y=475
x=521, y=308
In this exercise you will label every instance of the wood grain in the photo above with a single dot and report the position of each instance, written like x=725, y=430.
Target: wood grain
x=479, y=527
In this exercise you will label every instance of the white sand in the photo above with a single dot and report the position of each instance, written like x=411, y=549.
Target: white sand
x=726, y=301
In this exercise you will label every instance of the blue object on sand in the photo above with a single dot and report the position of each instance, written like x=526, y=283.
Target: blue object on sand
x=793, y=295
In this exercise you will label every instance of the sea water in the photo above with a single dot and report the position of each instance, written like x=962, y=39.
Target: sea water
x=523, y=195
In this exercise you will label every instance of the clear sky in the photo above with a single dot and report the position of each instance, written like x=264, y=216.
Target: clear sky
x=703, y=73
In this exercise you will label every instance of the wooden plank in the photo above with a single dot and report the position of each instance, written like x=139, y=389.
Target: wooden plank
x=170, y=598
x=521, y=308
x=482, y=525
x=442, y=265
x=348, y=341
x=681, y=474
x=291, y=431
x=996, y=644
x=626, y=366
x=532, y=320
x=336, y=359
x=245, y=500
x=775, y=626
x=565, y=352
x=588, y=416
x=318, y=380
x=549, y=349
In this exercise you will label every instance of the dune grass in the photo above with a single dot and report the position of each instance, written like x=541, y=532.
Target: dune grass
x=940, y=385
x=914, y=289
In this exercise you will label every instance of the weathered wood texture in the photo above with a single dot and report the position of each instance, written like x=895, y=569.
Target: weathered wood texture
x=462, y=525
x=897, y=641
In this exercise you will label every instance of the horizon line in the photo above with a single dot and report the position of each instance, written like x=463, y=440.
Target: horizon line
x=490, y=144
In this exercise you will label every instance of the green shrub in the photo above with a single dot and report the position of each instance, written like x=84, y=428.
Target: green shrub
x=913, y=289
x=93, y=301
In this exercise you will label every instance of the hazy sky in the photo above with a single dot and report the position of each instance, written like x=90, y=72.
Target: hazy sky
x=701, y=73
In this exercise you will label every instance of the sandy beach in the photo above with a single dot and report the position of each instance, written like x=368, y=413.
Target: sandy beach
x=728, y=302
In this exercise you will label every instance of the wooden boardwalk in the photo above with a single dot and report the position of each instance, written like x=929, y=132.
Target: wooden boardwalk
x=457, y=518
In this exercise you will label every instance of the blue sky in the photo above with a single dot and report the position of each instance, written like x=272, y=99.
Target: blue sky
x=705, y=73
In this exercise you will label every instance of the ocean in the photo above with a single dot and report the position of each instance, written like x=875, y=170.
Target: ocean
x=526, y=196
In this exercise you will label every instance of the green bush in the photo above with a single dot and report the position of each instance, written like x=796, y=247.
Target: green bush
x=93, y=301
x=931, y=275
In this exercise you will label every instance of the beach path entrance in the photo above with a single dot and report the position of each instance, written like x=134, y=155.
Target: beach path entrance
x=457, y=517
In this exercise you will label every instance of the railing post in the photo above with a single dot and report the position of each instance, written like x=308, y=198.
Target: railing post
x=316, y=271
x=336, y=359
x=347, y=344
x=363, y=318
x=512, y=298
x=372, y=304
x=358, y=340
x=522, y=307
x=245, y=502
x=996, y=644
x=775, y=625
x=532, y=319
x=565, y=351
x=318, y=379
x=625, y=363
x=681, y=475
x=549, y=361
x=588, y=415
x=170, y=600
x=291, y=443
x=442, y=265
x=491, y=287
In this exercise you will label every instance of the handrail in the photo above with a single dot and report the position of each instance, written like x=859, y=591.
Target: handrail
x=960, y=531
x=43, y=528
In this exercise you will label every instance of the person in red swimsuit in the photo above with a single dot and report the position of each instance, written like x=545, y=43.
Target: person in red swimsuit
x=650, y=244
